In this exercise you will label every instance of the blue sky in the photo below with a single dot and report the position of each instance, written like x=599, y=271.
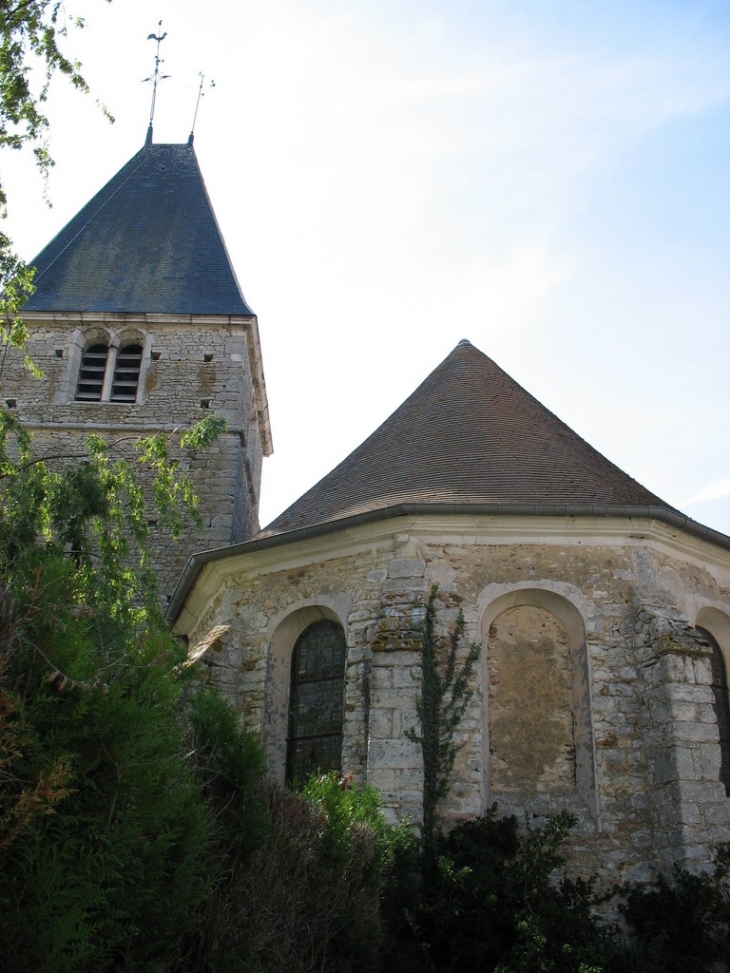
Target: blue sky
x=548, y=179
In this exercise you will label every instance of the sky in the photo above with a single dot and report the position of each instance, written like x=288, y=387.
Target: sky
x=547, y=178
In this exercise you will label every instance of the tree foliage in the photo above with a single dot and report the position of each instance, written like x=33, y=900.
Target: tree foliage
x=31, y=33
x=91, y=504
x=104, y=819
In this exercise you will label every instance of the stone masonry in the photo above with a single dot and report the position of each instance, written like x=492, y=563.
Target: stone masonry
x=191, y=367
x=592, y=695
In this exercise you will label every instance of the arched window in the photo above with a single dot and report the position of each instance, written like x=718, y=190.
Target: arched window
x=91, y=373
x=722, y=705
x=110, y=373
x=126, y=374
x=314, y=740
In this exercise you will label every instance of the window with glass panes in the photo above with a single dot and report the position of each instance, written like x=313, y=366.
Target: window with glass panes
x=316, y=708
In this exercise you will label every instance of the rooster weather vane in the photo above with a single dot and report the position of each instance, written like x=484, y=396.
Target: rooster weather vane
x=155, y=77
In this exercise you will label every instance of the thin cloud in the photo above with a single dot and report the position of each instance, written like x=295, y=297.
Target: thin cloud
x=715, y=490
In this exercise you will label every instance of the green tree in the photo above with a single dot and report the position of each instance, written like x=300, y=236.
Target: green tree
x=31, y=33
x=104, y=818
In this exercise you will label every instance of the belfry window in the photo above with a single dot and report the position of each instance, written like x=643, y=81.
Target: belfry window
x=92, y=373
x=314, y=740
x=126, y=374
x=109, y=374
x=722, y=706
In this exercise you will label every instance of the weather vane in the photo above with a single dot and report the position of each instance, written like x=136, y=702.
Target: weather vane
x=155, y=77
x=211, y=84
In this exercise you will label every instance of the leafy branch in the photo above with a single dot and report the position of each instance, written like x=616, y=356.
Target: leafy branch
x=29, y=48
x=93, y=507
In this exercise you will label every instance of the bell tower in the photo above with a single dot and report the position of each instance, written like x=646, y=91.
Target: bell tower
x=140, y=327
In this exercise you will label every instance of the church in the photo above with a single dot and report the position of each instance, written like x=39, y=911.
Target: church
x=602, y=613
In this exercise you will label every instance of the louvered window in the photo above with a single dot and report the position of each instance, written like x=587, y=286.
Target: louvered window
x=316, y=701
x=126, y=374
x=91, y=373
x=109, y=374
x=722, y=706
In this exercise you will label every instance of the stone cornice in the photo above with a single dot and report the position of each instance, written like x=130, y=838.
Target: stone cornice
x=96, y=317
x=462, y=523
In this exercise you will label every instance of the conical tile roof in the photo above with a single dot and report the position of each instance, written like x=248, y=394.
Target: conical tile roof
x=468, y=435
x=147, y=242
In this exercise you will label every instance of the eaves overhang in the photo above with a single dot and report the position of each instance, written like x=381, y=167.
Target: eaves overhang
x=88, y=317
x=651, y=513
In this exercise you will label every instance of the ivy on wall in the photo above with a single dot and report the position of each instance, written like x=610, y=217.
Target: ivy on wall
x=445, y=693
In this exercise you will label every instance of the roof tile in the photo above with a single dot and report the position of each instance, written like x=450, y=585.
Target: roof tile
x=147, y=242
x=468, y=434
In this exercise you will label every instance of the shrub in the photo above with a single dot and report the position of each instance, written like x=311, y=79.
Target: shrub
x=493, y=902
x=309, y=900
x=104, y=823
x=229, y=764
x=682, y=925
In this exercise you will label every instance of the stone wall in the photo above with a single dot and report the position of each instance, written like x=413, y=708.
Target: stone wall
x=592, y=696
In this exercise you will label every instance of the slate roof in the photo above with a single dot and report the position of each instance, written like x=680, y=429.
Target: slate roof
x=147, y=242
x=468, y=435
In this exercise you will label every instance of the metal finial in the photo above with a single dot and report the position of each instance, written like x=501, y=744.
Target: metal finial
x=155, y=77
x=211, y=84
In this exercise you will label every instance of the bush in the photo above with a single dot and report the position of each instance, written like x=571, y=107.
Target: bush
x=680, y=926
x=492, y=902
x=229, y=764
x=309, y=899
x=497, y=900
x=104, y=823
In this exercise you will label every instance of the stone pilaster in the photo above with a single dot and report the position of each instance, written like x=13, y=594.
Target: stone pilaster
x=395, y=765
x=688, y=803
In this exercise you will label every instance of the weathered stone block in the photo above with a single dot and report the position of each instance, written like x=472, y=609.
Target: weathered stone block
x=406, y=568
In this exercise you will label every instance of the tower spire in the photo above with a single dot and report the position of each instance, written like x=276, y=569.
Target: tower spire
x=155, y=77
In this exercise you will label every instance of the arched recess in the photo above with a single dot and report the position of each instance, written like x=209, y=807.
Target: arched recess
x=538, y=708
x=714, y=626
x=278, y=679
